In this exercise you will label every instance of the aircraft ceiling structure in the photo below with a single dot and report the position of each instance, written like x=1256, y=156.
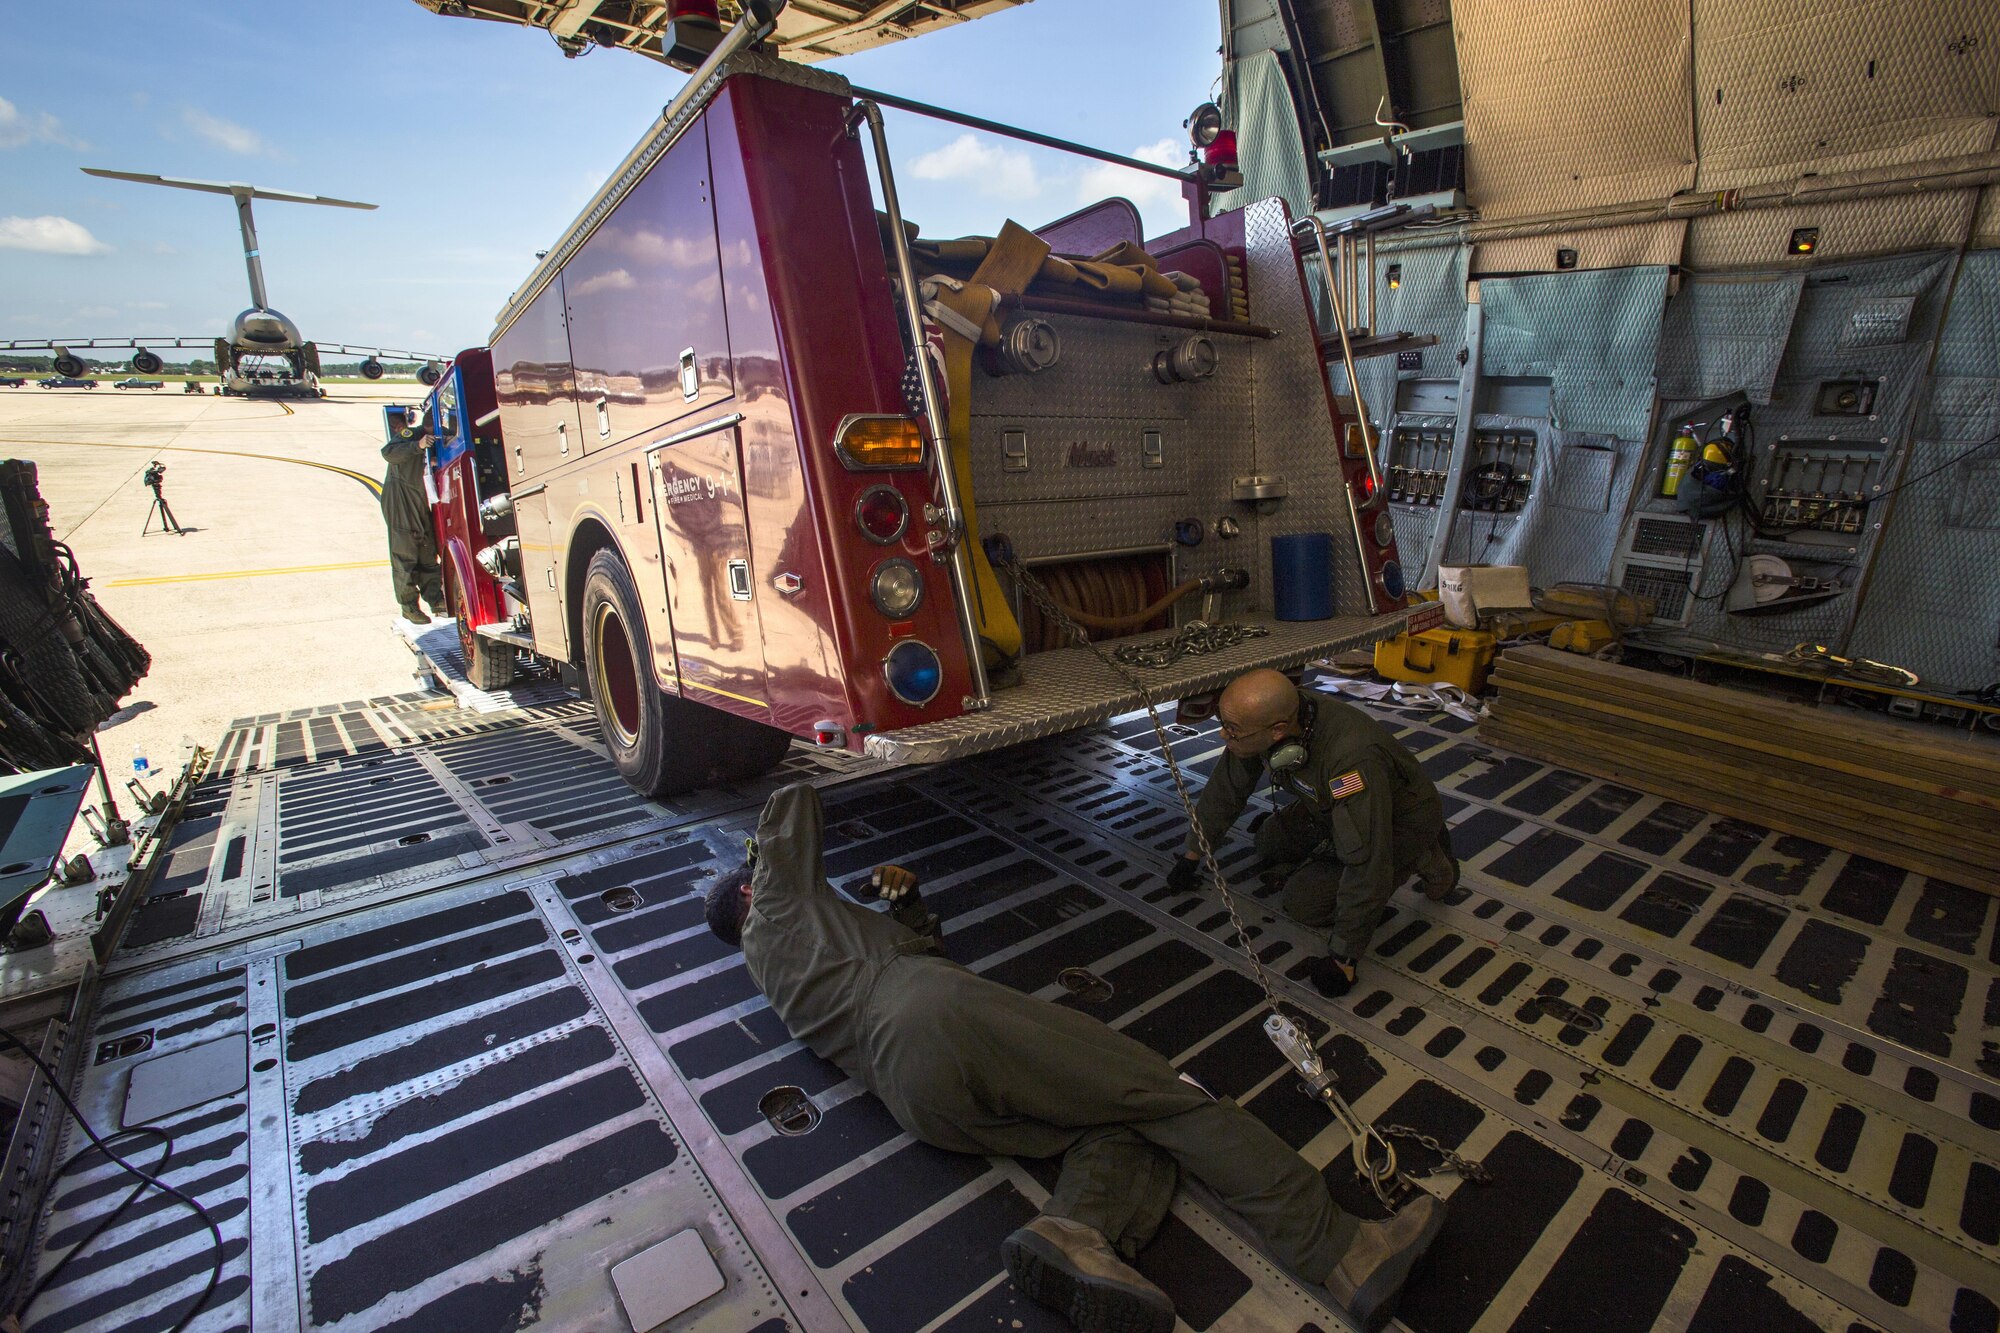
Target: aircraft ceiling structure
x=808, y=30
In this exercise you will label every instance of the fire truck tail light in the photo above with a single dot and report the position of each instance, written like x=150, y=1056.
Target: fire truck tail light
x=896, y=588
x=882, y=514
x=913, y=672
x=870, y=442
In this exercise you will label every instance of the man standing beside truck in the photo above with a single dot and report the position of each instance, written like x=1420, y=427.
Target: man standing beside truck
x=1363, y=816
x=406, y=512
x=970, y=1065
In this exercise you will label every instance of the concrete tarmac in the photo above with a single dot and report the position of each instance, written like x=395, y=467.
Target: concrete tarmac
x=276, y=597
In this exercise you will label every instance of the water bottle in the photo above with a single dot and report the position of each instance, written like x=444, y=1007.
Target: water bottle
x=141, y=767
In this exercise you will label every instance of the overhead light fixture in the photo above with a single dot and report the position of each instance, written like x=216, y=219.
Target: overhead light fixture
x=1565, y=257
x=1395, y=276
x=1204, y=125
x=1805, y=241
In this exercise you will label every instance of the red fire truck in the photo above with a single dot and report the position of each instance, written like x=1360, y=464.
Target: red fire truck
x=747, y=449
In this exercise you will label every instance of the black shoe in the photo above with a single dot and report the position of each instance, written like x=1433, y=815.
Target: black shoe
x=1333, y=976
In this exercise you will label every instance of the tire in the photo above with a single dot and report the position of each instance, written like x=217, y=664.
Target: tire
x=748, y=749
x=489, y=665
x=662, y=746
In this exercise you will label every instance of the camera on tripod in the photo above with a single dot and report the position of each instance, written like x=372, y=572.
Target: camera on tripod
x=155, y=477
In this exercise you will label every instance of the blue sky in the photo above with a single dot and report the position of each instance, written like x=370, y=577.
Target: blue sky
x=480, y=142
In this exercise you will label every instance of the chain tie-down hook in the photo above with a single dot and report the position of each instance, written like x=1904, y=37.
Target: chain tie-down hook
x=1374, y=1155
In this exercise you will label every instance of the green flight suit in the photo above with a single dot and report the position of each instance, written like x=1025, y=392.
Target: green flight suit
x=406, y=511
x=972, y=1066
x=1352, y=850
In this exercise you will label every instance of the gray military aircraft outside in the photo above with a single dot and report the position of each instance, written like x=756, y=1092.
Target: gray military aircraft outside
x=263, y=353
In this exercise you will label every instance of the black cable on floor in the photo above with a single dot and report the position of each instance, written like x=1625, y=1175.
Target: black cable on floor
x=145, y=1179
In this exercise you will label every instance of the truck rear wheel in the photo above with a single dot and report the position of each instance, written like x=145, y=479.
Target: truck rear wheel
x=662, y=745
x=747, y=749
x=489, y=664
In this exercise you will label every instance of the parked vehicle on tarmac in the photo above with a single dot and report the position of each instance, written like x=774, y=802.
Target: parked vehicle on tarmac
x=66, y=382
x=12, y=382
x=136, y=383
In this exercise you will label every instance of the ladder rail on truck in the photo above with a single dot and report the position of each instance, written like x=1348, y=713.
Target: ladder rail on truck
x=679, y=384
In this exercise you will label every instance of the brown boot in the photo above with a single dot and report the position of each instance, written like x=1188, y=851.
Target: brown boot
x=1366, y=1280
x=1072, y=1269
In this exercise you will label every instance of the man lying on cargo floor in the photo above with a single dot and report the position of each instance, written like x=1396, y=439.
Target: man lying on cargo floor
x=973, y=1066
x=1362, y=818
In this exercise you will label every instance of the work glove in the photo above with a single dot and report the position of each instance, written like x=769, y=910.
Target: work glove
x=1185, y=874
x=892, y=884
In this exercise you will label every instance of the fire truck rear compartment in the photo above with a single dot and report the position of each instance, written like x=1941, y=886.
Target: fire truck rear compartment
x=494, y=1052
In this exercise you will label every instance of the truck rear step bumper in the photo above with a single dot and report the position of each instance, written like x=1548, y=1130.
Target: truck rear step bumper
x=1069, y=688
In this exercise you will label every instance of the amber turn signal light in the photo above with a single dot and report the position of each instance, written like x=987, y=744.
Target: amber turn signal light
x=870, y=442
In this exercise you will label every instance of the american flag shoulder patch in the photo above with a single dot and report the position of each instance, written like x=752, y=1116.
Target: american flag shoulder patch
x=1347, y=784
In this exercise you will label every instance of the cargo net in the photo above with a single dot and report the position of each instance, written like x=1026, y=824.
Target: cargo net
x=64, y=664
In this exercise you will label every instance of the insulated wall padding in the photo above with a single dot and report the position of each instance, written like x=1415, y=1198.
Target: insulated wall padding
x=1933, y=601
x=1573, y=103
x=1568, y=530
x=1986, y=219
x=1603, y=247
x=1761, y=237
x=1824, y=346
x=1789, y=87
x=1595, y=335
x=1429, y=299
x=1257, y=103
x=1725, y=333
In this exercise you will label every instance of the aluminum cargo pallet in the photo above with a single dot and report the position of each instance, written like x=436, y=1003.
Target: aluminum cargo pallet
x=1722, y=1079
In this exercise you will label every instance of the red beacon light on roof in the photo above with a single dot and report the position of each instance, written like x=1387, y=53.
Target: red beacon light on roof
x=693, y=31
x=1214, y=147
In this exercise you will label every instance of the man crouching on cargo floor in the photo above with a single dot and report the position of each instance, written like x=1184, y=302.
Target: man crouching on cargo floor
x=973, y=1066
x=1363, y=817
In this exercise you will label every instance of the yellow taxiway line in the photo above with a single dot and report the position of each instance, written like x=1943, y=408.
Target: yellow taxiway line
x=245, y=573
x=374, y=486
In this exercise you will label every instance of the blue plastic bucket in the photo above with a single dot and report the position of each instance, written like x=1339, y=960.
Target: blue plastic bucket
x=1302, y=576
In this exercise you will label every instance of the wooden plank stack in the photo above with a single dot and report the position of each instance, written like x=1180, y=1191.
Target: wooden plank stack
x=1912, y=796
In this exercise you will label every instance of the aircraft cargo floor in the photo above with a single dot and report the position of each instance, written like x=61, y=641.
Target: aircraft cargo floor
x=1722, y=1079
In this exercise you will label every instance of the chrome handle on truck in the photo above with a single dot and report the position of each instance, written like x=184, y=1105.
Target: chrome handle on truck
x=739, y=580
x=907, y=293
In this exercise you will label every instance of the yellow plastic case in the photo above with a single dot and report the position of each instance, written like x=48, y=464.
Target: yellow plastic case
x=1460, y=657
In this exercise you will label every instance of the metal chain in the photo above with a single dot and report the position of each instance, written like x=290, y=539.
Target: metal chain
x=1049, y=607
x=1463, y=1166
x=1195, y=638
x=1374, y=1156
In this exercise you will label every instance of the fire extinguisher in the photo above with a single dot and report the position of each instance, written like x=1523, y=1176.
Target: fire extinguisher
x=1679, y=455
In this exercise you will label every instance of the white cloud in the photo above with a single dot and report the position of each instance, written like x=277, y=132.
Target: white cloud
x=96, y=312
x=617, y=280
x=162, y=248
x=145, y=305
x=48, y=235
x=1007, y=173
x=651, y=247
x=226, y=134
x=17, y=130
x=1158, y=199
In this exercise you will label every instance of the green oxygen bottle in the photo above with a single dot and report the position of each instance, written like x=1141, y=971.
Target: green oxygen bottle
x=1679, y=455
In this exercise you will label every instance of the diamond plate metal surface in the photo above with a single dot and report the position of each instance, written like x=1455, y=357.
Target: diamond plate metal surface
x=1595, y=335
x=1861, y=227
x=1261, y=412
x=1293, y=434
x=1933, y=603
x=1070, y=688
x=1583, y=104
x=1724, y=333
x=1784, y=88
